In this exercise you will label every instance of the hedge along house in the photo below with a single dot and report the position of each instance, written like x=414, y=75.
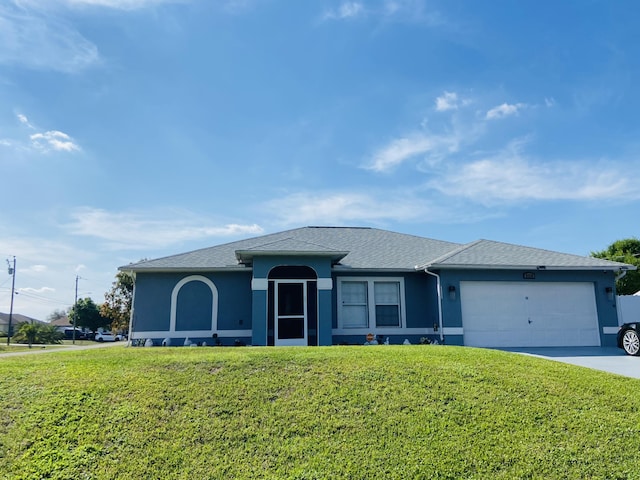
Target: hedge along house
x=332, y=285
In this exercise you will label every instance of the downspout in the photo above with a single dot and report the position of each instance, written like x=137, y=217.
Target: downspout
x=622, y=274
x=133, y=301
x=439, y=289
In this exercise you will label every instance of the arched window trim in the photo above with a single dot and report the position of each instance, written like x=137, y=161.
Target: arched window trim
x=174, y=301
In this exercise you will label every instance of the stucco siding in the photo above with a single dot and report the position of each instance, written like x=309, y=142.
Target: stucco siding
x=194, y=302
x=420, y=304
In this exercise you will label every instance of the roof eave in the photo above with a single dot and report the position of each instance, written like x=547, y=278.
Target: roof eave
x=247, y=256
x=613, y=268
x=230, y=268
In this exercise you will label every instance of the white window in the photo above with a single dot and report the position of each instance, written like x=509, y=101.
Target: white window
x=370, y=302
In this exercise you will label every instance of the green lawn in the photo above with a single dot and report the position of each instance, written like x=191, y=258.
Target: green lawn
x=309, y=413
x=20, y=348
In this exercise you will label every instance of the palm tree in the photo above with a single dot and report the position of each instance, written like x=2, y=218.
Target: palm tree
x=29, y=331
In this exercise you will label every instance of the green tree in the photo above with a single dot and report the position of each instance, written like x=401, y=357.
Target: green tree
x=37, y=333
x=86, y=314
x=117, y=302
x=626, y=251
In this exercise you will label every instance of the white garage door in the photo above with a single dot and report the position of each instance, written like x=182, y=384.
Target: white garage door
x=517, y=314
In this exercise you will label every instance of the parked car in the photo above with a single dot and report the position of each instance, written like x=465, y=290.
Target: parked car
x=121, y=336
x=629, y=338
x=68, y=334
x=104, y=337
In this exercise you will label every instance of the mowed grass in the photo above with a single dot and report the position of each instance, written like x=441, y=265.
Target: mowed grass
x=312, y=413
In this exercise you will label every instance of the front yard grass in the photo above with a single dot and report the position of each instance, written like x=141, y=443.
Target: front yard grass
x=310, y=413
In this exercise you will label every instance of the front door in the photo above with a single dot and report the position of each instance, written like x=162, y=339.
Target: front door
x=290, y=312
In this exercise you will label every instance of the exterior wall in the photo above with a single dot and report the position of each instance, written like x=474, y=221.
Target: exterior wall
x=605, y=302
x=262, y=265
x=152, y=308
x=421, y=310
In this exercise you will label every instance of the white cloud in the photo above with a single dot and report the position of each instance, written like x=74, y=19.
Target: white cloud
x=411, y=146
x=147, y=230
x=42, y=41
x=53, y=140
x=37, y=290
x=509, y=176
x=336, y=208
x=447, y=101
x=345, y=10
x=122, y=4
x=34, y=269
x=504, y=110
x=406, y=11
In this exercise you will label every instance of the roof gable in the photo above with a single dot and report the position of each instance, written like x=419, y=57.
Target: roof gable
x=289, y=246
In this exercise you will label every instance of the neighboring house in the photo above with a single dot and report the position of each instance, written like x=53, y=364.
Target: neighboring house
x=332, y=285
x=16, y=319
x=61, y=323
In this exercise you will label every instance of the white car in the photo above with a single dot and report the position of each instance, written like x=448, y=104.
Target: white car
x=104, y=337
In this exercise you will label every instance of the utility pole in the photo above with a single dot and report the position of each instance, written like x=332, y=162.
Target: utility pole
x=75, y=311
x=12, y=272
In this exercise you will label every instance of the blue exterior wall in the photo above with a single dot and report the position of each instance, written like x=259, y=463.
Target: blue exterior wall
x=606, y=308
x=421, y=305
x=152, y=303
x=262, y=265
x=242, y=309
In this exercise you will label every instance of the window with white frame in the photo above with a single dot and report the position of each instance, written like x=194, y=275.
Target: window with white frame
x=370, y=302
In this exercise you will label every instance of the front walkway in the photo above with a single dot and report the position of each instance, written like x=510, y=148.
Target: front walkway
x=607, y=359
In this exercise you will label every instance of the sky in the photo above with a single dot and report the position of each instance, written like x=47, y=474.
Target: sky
x=134, y=129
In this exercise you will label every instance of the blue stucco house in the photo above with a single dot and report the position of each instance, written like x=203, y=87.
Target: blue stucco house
x=335, y=285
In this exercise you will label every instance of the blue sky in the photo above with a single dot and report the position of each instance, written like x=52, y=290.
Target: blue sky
x=136, y=129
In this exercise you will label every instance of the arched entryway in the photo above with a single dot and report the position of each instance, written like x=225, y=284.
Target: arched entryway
x=293, y=306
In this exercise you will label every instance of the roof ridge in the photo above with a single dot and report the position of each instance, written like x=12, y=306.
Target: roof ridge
x=285, y=239
x=449, y=254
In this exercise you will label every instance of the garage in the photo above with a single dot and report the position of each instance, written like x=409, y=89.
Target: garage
x=521, y=314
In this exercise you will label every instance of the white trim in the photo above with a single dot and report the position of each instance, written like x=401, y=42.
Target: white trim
x=325, y=284
x=259, y=284
x=453, y=331
x=383, y=331
x=610, y=330
x=192, y=334
x=371, y=304
x=133, y=306
x=174, y=301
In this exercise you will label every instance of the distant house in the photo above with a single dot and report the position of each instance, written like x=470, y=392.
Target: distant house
x=15, y=320
x=61, y=322
x=325, y=285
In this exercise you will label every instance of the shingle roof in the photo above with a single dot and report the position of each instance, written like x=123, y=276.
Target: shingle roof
x=366, y=248
x=289, y=246
x=489, y=254
x=16, y=318
x=373, y=249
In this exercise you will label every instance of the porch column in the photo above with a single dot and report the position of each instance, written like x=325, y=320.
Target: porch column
x=325, y=315
x=259, y=287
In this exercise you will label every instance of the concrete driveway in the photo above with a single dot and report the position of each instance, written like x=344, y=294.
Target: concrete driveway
x=607, y=359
